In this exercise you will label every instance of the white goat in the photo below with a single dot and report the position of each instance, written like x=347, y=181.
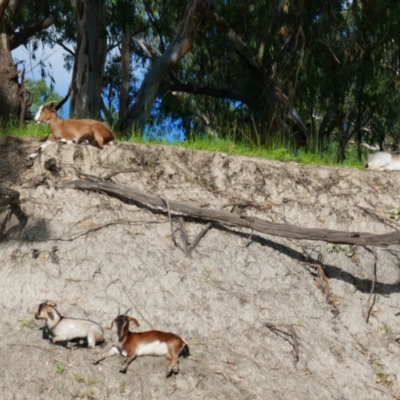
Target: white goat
x=87, y=131
x=383, y=161
x=64, y=329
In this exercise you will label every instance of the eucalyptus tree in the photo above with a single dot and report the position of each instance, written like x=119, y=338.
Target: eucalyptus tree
x=90, y=57
x=19, y=21
x=229, y=81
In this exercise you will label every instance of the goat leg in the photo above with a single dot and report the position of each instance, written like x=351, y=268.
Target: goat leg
x=125, y=365
x=60, y=339
x=173, y=367
x=112, y=352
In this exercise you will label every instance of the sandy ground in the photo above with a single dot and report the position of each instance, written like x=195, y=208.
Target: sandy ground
x=92, y=253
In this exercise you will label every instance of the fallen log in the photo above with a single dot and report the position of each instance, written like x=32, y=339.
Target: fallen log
x=8, y=196
x=257, y=224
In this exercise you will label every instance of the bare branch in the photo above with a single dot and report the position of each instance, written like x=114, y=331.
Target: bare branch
x=291, y=332
x=23, y=35
x=259, y=225
x=371, y=302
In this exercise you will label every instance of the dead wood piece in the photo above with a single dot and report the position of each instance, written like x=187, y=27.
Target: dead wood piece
x=121, y=171
x=199, y=237
x=257, y=224
x=376, y=215
x=89, y=176
x=371, y=300
x=291, y=332
x=8, y=196
x=330, y=298
x=176, y=243
x=184, y=236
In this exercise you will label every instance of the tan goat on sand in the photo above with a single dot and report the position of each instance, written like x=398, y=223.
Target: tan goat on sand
x=87, y=131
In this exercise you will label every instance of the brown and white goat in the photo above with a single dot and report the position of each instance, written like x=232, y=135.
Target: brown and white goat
x=64, y=329
x=87, y=131
x=383, y=161
x=150, y=343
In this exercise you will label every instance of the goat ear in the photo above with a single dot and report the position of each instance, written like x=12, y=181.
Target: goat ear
x=133, y=320
x=51, y=315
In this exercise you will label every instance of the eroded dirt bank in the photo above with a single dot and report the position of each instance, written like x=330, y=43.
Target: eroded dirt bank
x=90, y=253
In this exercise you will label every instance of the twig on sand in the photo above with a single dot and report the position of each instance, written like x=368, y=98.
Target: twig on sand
x=371, y=300
x=291, y=332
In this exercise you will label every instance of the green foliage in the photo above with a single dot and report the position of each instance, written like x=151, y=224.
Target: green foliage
x=40, y=93
x=79, y=378
x=395, y=214
x=29, y=324
x=60, y=367
x=337, y=62
x=122, y=387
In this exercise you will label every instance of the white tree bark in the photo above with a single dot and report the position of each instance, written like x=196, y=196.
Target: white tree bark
x=196, y=16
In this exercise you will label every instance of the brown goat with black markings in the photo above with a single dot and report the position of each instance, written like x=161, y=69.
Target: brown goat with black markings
x=150, y=343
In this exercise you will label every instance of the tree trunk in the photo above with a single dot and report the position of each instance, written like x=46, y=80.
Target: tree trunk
x=125, y=64
x=90, y=57
x=275, y=103
x=196, y=15
x=10, y=94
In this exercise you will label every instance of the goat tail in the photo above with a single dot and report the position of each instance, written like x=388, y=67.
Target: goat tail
x=185, y=352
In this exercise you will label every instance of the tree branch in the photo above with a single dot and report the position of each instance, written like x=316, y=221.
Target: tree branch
x=22, y=36
x=196, y=15
x=272, y=93
x=208, y=91
x=259, y=225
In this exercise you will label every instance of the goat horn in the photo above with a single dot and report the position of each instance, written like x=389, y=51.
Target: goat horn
x=119, y=312
x=112, y=323
x=129, y=309
x=50, y=102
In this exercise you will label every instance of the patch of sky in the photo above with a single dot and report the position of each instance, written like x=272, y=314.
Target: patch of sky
x=168, y=130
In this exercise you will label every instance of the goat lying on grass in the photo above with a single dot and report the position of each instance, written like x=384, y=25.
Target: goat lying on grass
x=65, y=329
x=383, y=161
x=88, y=131
x=150, y=343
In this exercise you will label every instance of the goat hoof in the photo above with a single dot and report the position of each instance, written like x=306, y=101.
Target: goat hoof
x=123, y=370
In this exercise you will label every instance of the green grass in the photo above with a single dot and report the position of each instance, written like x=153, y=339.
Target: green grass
x=274, y=151
x=29, y=130
x=60, y=367
x=30, y=324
